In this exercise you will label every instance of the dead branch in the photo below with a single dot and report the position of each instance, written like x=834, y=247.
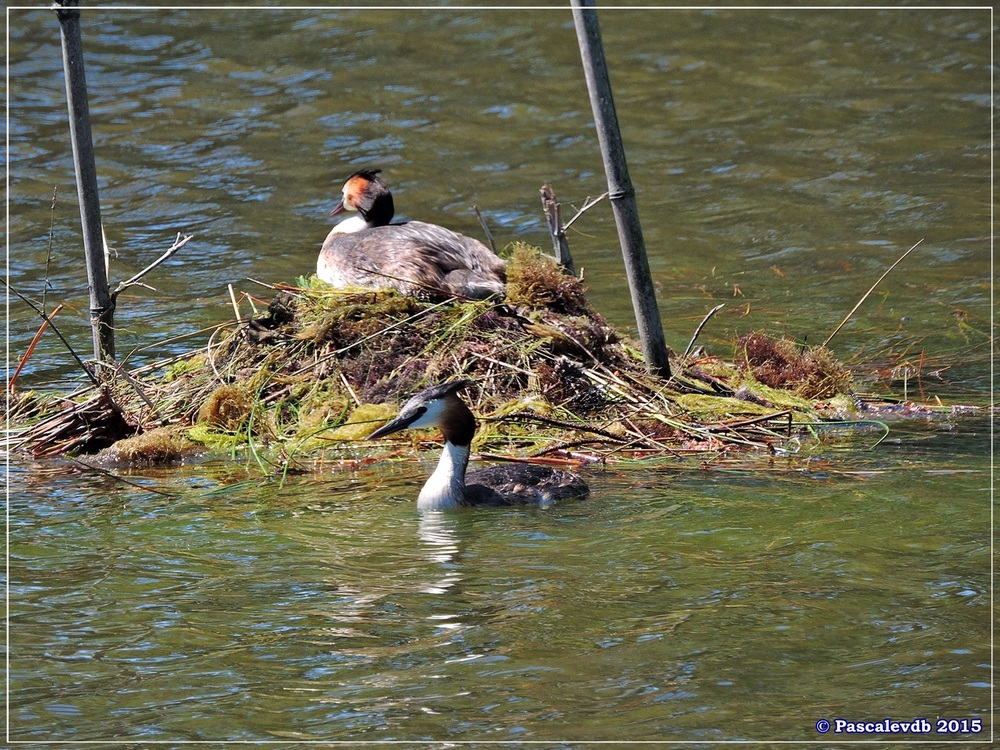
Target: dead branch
x=587, y=205
x=701, y=325
x=134, y=280
x=560, y=245
x=83, y=365
x=31, y=347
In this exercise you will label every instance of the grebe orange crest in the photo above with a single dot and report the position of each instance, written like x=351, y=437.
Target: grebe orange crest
x=449, y=486
x=416, y=258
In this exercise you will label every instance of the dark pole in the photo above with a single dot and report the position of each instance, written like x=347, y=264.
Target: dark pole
x=102, y=306
x=640, y=281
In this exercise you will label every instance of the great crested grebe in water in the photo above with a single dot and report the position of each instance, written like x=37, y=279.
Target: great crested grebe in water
x=449, y=486
x=415, y=258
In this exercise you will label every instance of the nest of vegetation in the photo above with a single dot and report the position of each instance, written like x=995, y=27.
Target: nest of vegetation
x=309, y=379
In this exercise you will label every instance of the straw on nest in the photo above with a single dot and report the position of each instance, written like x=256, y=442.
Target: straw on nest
x=322, y=368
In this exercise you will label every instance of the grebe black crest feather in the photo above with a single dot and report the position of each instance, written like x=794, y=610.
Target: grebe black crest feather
x=415, y=258
x=449, y=486
x=368, y=174
x=365, y=193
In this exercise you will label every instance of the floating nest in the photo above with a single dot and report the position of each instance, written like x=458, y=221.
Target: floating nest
x=308, y=379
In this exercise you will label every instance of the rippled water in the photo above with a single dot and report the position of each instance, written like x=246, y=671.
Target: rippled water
x=783, y=160
x=668, y=605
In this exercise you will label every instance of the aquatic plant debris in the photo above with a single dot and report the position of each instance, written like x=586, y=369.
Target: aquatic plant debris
x=305, y=382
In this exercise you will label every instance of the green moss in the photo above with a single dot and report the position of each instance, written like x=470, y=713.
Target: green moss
x=182, y=367
x=718, y=408
x=159, y=446
x=363, y=422
x=841, y=406
x=779, y=399
x=319, y=412
x=211, y=437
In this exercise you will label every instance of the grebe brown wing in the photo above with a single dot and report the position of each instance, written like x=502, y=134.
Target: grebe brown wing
x=522, y=484
x=413, y=258
x=454, y=251
x=466, y=266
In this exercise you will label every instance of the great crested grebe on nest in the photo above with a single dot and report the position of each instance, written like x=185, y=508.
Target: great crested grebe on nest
x=415, y=258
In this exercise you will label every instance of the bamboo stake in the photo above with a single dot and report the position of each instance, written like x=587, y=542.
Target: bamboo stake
x=640, y=281
x=102, y=305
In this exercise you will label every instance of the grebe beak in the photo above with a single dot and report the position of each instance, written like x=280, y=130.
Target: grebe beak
x=398, y=424
x=339, y=208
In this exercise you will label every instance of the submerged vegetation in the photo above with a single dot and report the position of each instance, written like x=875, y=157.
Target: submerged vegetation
x=309, y=379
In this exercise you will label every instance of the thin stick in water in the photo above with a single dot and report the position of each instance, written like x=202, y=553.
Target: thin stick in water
x=48, y=255
x=31, y=347
x=866, y=294
x=87, y=370
x=701, y=325
x=236, y=307
x=486, y=229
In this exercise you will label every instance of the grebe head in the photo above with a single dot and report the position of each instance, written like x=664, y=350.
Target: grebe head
x=365, y=193
x=438, y=406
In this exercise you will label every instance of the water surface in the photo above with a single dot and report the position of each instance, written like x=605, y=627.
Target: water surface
x=782, y=159
x=669, y=605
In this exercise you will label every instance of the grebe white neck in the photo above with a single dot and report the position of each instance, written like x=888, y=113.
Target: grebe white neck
x=351, y=225
x=446, y=486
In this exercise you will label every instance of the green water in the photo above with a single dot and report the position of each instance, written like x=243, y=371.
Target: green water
x=783, y=160
x=669, y=605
